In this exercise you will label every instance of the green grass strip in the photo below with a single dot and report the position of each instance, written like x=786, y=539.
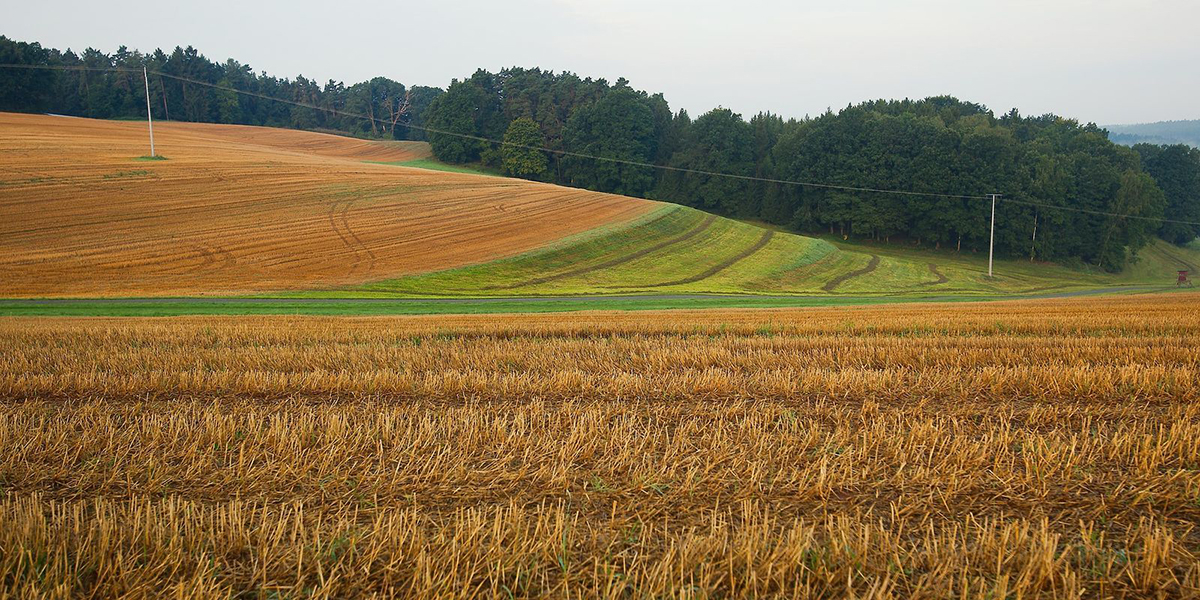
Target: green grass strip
x=168, y=307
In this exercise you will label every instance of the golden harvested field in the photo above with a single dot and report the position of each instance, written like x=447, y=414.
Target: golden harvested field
x=1021, y=449
x=240, y=209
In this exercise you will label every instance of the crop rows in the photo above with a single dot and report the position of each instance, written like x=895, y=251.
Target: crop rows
x=244, y=209
x=1023, y=449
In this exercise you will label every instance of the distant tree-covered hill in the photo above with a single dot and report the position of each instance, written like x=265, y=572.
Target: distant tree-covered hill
x=1162, y=132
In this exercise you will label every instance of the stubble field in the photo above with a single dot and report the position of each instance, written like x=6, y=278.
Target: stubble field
x=1021, y=449
x=238, y=209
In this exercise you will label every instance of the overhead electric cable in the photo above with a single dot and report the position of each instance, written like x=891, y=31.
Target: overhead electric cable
x=477, y=138
x=1098, y=212
x=72, y=68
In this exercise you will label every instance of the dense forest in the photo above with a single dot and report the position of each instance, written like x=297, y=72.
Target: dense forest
x=110, y=86
x=938, y=145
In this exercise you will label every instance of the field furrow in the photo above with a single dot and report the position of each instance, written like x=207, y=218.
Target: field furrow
x=284, y=210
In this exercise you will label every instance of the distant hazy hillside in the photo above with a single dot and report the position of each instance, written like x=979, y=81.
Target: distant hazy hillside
x=1162, y=132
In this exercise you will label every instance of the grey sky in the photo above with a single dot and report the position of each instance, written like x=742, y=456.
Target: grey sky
x=1109, y=61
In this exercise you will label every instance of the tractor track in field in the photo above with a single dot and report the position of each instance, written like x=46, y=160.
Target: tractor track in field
x=941, y=277
x=691, y=233
x=333, y=224
x=211, y=257
x=339, y=221
x=354, y=236
x=832, y=284
x=762, y=242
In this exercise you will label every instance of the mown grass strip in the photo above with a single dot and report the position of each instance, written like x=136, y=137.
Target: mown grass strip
x=729, y=262
x=148, y=307
x=705, y=224
x=843, y=278
x=434, y=165
x=568, y=254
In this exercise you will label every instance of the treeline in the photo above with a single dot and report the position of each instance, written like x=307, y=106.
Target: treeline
x=938, y=145
x=88, y=87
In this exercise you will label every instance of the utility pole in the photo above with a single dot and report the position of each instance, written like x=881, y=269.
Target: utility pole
x=992, y=243
x=1033, y=244
x=149, y=121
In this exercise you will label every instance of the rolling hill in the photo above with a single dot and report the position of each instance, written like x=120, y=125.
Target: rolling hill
x=237, y=210
x=680, y=250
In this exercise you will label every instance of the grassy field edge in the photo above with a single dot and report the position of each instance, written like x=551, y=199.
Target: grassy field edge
x=163, y=307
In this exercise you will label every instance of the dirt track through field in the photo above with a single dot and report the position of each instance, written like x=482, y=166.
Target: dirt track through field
x=238, y=209
x=941, y=277
x=843, y=278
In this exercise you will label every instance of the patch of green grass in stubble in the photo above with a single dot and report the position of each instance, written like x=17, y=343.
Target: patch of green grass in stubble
x=127, y=174
x=435, y=165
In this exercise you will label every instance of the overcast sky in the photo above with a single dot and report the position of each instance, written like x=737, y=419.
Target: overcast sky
x=1108, y=61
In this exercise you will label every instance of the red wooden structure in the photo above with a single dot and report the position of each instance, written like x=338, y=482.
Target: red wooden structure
x=1183, y=280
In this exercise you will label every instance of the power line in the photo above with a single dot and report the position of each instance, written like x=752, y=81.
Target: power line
x=633, y=163
x=70, y=68
x=1097, y=212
